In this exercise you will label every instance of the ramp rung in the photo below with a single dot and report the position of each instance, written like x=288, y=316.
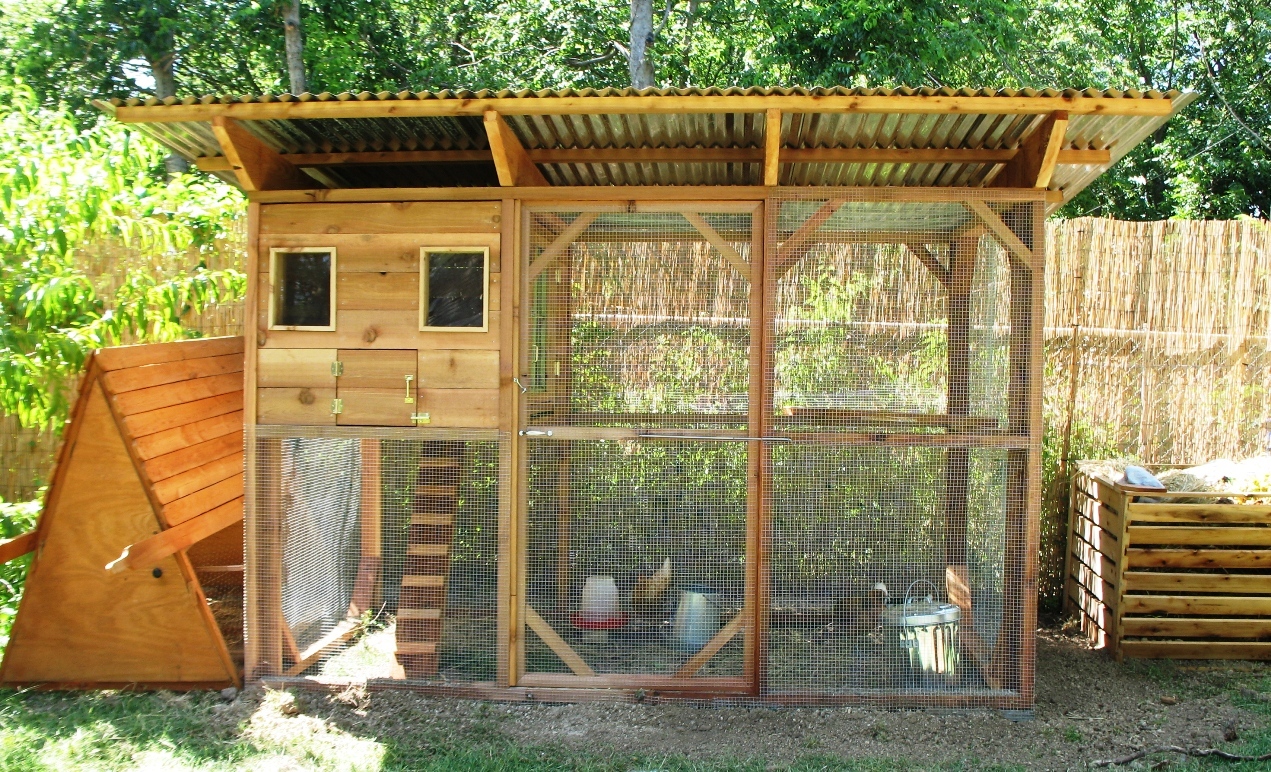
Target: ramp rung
x=430, y=520
x=428, y=550
x=419, y=613
x=423, y=581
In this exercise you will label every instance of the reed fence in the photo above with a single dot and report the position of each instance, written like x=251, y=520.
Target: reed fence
x=27, y=454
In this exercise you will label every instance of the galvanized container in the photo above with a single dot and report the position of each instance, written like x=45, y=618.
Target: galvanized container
x=923, y=638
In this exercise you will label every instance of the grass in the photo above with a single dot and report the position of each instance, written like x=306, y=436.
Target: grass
x=282, y=731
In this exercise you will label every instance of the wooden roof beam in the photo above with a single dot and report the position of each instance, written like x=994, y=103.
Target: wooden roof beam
x=787, y=155
x=771, y=147
x=256, y=165
x=645, y=105
x=512, y=163
x=1034, y=164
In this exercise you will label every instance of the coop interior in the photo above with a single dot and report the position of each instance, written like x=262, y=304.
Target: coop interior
x=782, y=449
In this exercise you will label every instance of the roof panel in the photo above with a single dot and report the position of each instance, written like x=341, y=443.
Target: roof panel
x=835, y=117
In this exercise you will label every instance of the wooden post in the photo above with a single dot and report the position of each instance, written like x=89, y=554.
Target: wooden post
x=560, y=314
x=265, y=602
x=366, y=590
x=759, y=462
x=958, y=460
x=507, y=618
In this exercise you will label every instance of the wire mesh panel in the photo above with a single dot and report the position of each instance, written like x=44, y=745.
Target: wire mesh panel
x=639, y=318
x=638, y=498
x=902, y=507
x=376, y=553
x=637, y=557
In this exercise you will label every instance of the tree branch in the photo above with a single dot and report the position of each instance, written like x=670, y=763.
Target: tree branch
x=1193, y=752
x=1213, y=81
x=593, y=59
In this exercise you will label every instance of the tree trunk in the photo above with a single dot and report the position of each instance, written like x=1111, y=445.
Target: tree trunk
x=165, y=85
x=641, y=36
x=295, y=48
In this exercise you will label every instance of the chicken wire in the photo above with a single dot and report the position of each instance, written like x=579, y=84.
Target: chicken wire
x=893, y=444
x=377, y=552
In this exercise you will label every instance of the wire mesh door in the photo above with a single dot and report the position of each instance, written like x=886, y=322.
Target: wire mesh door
x=640, y=464
x=897, y=342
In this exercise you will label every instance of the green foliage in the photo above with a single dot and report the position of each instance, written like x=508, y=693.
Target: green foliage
x=15, y=520
x=62, y=187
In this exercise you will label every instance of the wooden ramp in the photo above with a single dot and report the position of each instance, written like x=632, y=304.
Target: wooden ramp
x=137, y=574
x=423, y=596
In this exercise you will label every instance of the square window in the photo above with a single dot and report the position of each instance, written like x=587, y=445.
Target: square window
x=453, y=289
x=302, y=284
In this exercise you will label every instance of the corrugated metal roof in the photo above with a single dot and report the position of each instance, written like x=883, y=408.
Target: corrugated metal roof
x=598, y=119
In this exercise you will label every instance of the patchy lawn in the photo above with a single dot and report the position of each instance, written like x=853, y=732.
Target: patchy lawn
x=1088, y=708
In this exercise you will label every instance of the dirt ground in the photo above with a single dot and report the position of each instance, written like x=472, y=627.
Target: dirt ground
x=1088, y=707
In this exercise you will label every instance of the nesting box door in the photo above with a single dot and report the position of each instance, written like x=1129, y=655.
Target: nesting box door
x=375, y=388
x=643, y=446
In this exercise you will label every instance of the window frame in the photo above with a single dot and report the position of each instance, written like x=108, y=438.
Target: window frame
x=274, y=286
x=424, y=266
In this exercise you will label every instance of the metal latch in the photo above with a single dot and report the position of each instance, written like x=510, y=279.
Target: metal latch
x=337, y=368
x=337, y=406
x=535, y=433
x=420, y=418
x=410, y=396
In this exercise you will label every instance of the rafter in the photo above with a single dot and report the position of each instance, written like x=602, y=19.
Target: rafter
x=256, y=165
x=510, y=159
x=1001, y=231
x=723, y=247
x=793, y=248
x=929, y=259
x=625, y=155
x=1038, y=154
x=772, y=147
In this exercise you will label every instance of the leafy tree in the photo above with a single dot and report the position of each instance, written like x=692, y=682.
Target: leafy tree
x=61, y=187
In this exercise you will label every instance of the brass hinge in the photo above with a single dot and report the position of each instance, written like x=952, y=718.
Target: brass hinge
x=337, y=406
x=420, y=418
x=337, y=368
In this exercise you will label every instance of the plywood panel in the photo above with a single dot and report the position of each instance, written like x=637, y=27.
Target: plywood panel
x=466, y=408
x=374, y=407
x=295, y=406
x=384, y=370
x=223, y=548
x=376, y=291
x=132, y=626
x=458, y=369
x=304, y=367
x=404, y=217
x=381, y=330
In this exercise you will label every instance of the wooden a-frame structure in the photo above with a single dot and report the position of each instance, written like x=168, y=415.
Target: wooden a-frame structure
x=145, y=507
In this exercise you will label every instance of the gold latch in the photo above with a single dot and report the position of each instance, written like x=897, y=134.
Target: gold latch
x=410, y=396
x=337, y=406
x=337, y=368
x=420, y=418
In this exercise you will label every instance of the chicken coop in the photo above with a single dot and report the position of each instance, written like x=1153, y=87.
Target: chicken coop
x=703, y=394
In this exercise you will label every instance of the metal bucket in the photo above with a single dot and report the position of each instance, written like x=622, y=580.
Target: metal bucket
x=696, y=618
x=923, y=636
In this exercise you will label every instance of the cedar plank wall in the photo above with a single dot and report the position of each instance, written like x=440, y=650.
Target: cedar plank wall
x=377, y=309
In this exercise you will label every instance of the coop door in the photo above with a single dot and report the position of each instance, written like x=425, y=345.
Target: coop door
x=641, y=457
x=375, y=388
